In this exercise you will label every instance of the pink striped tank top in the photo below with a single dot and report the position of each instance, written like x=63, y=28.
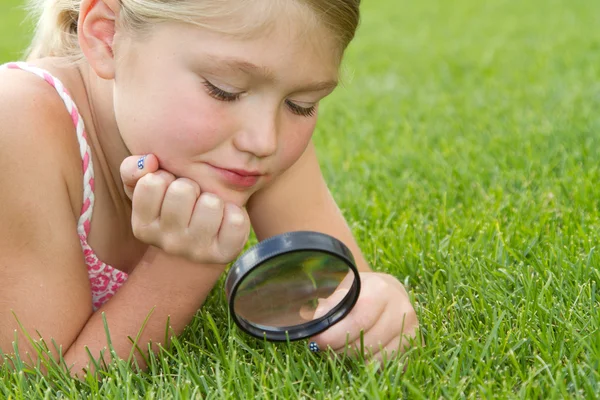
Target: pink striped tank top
x=105, y=280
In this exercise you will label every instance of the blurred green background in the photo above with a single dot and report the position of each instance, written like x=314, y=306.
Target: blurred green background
x=14, y=32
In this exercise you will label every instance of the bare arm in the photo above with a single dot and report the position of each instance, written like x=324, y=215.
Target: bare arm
x=161, y=289
x=42, y=272
x=45, y=280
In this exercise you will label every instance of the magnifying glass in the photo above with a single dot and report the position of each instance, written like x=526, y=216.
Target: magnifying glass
x=276, y=287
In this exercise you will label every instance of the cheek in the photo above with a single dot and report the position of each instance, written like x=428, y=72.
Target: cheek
x=295, y=143
x=171, y=127
x=190, y=128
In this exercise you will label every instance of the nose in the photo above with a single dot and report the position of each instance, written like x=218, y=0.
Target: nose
x=259, y=134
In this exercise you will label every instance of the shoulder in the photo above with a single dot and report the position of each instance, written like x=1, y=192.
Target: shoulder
x=37, y=139
x=29, y=105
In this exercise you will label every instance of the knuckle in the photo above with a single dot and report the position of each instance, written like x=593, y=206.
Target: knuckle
x=149, y=181
x=211, y=201
x=372, y=291
x=171, y=244
x=377, y=284
x=139, y=234
x=182, y=187
x=141, y=231
x=369, y=297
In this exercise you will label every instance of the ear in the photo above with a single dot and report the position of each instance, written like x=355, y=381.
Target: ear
x=96, y=33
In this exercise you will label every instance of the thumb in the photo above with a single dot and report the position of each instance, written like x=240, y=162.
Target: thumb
x=135, y=167
x=326, y=305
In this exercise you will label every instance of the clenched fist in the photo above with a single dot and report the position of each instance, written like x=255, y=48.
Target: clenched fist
x=174, y=214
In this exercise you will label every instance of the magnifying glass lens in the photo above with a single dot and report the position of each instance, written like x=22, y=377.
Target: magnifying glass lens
x=292, y=286
x=286, y=290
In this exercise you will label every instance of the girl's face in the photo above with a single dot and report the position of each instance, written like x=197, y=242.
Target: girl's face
x=228, y=113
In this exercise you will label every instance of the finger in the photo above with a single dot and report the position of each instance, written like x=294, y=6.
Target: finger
x=148, y=197
x=206, y=219
x=347, y=282
x=178, y=205
x=234, y=232
x=326, y=305
x=363, y=317
x=135, y=167
x=397, y=346
x=393, y=322
x=390, y=326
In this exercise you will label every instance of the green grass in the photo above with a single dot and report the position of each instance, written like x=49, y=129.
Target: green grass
x=13, y=30
x=461, y=150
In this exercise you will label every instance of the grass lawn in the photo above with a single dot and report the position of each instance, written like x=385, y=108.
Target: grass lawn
x=461, y=150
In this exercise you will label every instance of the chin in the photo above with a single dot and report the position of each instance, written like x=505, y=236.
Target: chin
x=239, y=199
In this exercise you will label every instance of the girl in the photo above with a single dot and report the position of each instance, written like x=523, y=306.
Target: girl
x=139, y=144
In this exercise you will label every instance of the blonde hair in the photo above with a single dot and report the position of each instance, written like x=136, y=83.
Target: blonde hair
x=56, y=29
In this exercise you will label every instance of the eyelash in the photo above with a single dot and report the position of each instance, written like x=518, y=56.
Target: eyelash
x=222, y=95
x=302, y=111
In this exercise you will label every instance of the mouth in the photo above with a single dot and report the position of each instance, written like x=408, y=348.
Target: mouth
x=238, y=178
x=242, y=172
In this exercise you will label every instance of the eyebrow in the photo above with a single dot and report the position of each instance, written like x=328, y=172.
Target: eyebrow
x=247, y=67
x=267, y=74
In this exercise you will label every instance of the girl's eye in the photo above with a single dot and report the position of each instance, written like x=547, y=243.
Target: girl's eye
x=302, y=111
x=223, y=95
x=220, y=94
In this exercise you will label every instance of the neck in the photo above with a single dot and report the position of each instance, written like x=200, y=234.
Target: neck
x=103, y=134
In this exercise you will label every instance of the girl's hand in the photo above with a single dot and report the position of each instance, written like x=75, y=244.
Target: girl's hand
x=174, y=215
x=383, y=313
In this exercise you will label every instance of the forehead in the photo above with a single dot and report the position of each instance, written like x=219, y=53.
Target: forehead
x=281, y=45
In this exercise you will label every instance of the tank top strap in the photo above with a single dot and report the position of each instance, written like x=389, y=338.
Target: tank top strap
x=85, y=217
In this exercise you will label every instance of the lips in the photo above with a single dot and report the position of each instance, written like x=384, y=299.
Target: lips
x=238, y=178
x=242, y=172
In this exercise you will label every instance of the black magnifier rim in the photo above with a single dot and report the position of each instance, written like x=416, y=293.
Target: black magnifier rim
x=276, y=246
